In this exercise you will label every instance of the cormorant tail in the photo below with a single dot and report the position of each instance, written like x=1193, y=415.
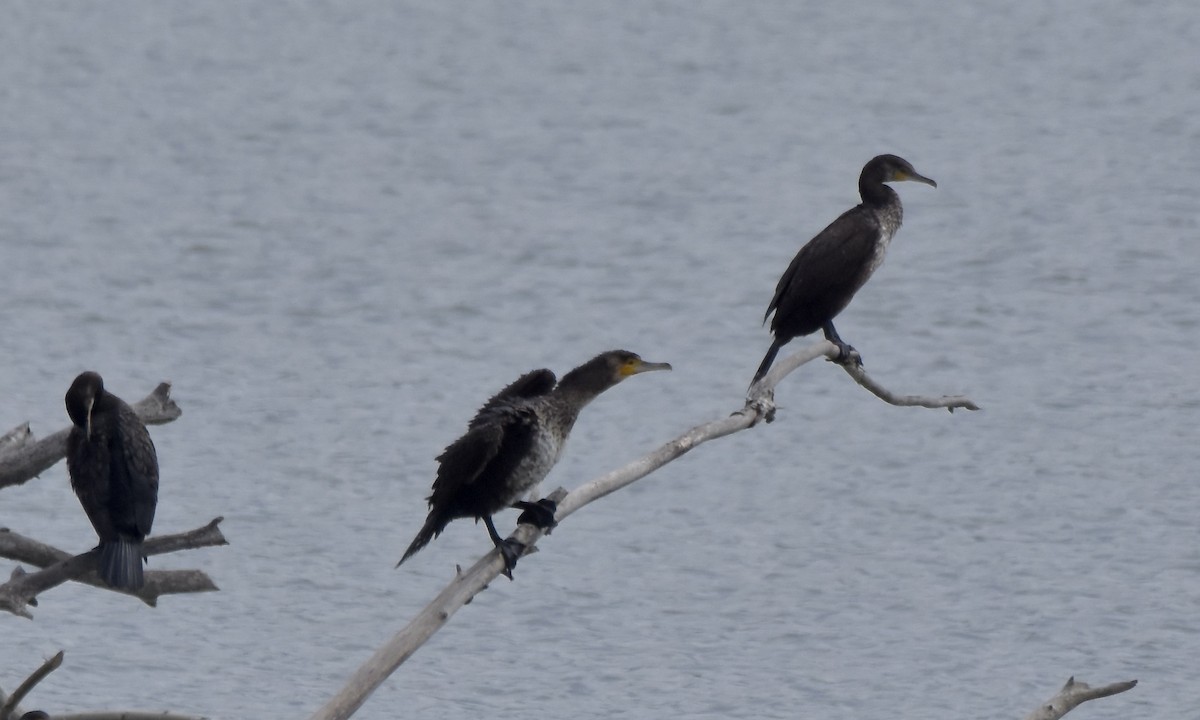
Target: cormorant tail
x=766, y=363
x=434, y=525
x=121, y=564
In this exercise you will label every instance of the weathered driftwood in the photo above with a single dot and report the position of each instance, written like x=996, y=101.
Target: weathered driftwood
x=15, y=439
x=21, y=459
x=1074, y=693
x=465, y=586
x=60, y=566
x=8, y=708
x=26, y=459
x=759, y=406
x=766, y=386
x=9, y=711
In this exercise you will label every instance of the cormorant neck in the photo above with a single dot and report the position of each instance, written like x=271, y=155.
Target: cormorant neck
x=583, y=384
x=874, y=192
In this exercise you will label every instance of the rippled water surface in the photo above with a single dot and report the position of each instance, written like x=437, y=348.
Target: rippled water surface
x=337, y=229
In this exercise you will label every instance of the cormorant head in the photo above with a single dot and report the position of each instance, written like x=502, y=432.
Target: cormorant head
x=608, y=369
x=892, y=168
x=630, y=363
x=82, y=396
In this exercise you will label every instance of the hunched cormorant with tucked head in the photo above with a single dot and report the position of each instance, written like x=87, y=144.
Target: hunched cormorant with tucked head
x=114, y=471
x=831, y=267
x=512, y=443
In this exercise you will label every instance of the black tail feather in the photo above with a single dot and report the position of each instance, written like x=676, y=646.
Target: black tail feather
x=121, y=564
x=434, y=525
x=766, y=363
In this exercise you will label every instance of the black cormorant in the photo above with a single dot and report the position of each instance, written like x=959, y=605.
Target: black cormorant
x=831, y=267
x=511, y=444
x=114, y=471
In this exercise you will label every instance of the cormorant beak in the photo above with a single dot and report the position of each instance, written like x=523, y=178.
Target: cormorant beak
x=648, y=367
x=91, y=402
x=917, y=177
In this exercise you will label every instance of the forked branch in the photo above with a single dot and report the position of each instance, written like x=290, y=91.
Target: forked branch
x=1073, y=694
x=759, y=406
x=765, y=387
x=60, y=566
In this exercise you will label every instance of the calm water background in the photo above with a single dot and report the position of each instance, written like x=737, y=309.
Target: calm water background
x=337, y=229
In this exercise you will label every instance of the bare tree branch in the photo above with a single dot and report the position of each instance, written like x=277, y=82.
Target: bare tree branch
x=8, y=709
x=10, y=704
x=22, y=459
x=950, y=402
x=614, y=480
x=759, y=406
x=61, y=566
x=1074, y=693
x=766, y=386
x=29, y=459
x=465, y=586
x=15, y=439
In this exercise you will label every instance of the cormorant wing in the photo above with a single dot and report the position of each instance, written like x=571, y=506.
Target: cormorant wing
x=530, y=385
x=481, y=462
x=89, y=470
x=134, y=478
x=830, y=268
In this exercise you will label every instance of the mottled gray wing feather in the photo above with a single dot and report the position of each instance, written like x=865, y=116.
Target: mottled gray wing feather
x=482, y=460
x=530, y=385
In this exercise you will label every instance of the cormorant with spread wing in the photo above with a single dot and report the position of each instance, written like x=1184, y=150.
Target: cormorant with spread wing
x=512, y=443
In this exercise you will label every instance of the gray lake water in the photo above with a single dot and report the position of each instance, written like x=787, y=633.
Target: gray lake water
x=338, y=228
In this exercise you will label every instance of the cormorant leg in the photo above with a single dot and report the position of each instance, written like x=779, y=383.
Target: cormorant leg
x=765, y=365
x=539, y=514
x=510, y=550
x=846, y=353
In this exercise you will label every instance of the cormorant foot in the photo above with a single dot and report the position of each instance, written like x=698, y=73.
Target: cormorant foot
x=511, y=551
x=847, y=355
x=539, y=514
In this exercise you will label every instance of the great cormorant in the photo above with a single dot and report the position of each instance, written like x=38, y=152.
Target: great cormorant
x=512, y=443
x=114, y=471
x=831, y=267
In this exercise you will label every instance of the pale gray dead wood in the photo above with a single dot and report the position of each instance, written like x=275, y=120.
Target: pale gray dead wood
x=465, y=586
x=766, y=386
x=784, y=366
x=1074, y=693
x=615, y=480
x=9, y=707
x=61, y=566
x=371, y=674
x=950, y=402
x=15, y=439
x=33, y=458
